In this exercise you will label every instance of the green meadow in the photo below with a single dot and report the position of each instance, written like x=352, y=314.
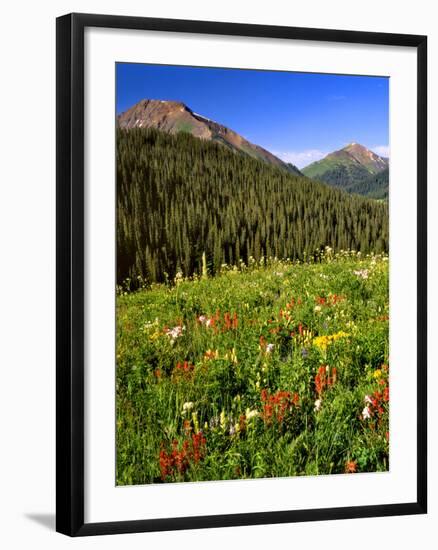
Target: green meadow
x=266, y=369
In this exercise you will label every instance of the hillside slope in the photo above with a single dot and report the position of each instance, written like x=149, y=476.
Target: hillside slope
x=375, y=186
x=174, y=117
x=349, y=168
x=178, y=197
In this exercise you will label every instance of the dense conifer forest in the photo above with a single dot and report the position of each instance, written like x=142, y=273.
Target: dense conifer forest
x=179, y=196
x=374, y=186
x=341, y=176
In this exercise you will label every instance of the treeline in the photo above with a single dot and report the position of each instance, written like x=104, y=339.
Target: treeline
x=179, y=196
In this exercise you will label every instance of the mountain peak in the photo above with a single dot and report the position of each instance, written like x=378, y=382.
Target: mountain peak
x=167, y=115
x=354, y=146
x=364, y=156
x=348, y=168
x=164, y=106
x=175, y=116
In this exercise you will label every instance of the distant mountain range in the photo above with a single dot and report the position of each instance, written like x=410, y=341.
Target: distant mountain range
x=355, y=169
x=175, y=116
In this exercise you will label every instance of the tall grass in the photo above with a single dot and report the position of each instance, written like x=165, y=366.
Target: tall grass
x=267, y=370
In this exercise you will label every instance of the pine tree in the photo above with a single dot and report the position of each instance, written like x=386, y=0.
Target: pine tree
x=183, y=203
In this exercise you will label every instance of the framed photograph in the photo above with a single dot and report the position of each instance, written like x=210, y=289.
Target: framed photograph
x=241, y=274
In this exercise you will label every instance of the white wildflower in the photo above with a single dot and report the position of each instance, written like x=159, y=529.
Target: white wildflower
x=175, y=332
x=366, y=413
x=269, y=348
x=318, y=404
x=251, y=414
x=363, y=273
x=150, y=325
x=188, y=406
x=214, y=422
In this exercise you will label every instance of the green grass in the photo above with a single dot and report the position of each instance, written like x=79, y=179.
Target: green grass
x=279, y=361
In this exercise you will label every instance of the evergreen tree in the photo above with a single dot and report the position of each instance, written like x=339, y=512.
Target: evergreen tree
x=179, y=197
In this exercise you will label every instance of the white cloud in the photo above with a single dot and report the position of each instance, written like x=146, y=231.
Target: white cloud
x=382, y=150
x=301, y=158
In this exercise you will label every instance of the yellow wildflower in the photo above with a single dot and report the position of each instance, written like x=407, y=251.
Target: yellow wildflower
x=231, y=356
x=222, y=419
x=324, y=341
x=211, y=354
x=195, y=421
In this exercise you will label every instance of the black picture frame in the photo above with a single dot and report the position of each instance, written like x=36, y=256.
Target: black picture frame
x=70, y=273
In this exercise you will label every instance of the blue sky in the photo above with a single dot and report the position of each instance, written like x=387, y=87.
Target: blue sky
x=300, y=117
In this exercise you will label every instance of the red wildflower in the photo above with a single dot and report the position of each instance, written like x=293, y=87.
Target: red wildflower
x=165, y=464
x=277, y=405
x=334, y=376
x=350, y=467
x=325, y=378
x=320, y=380
x=184, y=370
x=178, y=459
x=210, y=354
x=377, y=403
x=335, y=298
x=230, y=322
x=197, y=450
x=227, y=321
x=383, y=318
x=235, y=322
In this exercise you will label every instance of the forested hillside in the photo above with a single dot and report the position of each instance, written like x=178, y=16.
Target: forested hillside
x=174, y=117
x=354, y=169
x=375, y=186
x=179, y=196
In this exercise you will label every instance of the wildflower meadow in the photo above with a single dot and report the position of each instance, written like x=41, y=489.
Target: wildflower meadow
x=271, y=368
